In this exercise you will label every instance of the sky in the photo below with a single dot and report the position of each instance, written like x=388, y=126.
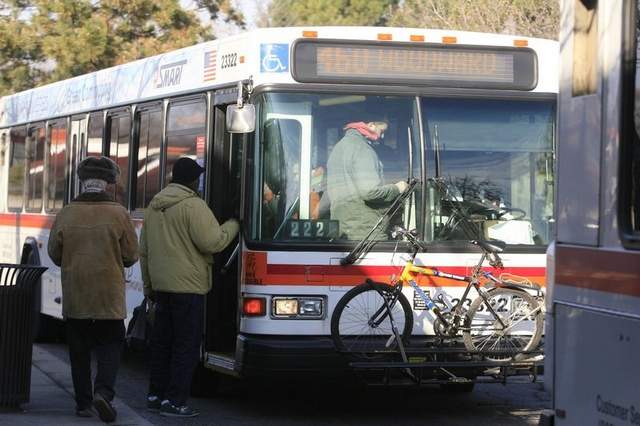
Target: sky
x=248, y=7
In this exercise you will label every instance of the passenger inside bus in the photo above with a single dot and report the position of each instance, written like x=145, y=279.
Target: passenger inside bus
x=297, y=139
x=355, y=180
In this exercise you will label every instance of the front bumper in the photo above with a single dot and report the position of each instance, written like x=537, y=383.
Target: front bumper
x=315, y=356
x=259, y=355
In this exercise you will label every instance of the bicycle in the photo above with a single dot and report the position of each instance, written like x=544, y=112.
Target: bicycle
x=503, y=323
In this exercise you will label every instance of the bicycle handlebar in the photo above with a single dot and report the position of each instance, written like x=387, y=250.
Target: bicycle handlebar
x=411, y=236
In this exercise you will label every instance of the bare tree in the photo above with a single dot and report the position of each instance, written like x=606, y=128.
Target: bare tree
x=535, y=18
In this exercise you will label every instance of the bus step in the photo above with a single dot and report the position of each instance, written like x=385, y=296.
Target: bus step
x=221, y=361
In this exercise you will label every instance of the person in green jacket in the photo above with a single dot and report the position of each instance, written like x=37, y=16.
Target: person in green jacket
x=355, y=183
x=179, y=236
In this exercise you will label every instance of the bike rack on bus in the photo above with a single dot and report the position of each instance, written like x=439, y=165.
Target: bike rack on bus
x=437, y=365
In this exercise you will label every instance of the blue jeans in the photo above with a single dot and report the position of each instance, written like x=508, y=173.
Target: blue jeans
x=175, y=344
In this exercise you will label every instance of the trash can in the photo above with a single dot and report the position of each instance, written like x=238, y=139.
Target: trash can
x=17, y=291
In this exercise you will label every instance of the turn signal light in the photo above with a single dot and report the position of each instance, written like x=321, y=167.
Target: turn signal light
x=254, y=306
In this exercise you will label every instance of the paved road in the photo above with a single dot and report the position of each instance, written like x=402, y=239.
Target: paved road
x=279, y=403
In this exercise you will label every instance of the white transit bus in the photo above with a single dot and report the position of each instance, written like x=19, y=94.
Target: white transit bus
x=478, y=109
x=593, y=297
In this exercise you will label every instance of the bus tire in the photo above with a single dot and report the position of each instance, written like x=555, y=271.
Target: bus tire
x=466, y=387
x=45, y=328
x=42, y=332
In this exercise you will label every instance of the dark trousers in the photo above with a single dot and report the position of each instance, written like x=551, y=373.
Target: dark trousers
x=175, y=345
x=105, y=338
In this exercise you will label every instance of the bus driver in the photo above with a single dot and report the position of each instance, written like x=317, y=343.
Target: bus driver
x=355, y=180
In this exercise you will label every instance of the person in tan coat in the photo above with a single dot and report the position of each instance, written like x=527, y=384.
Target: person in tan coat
x=178, y=239
x=93, y=240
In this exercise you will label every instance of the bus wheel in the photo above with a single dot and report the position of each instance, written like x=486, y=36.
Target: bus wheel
x=466, y=387
x=205, y=382
x=47, y=329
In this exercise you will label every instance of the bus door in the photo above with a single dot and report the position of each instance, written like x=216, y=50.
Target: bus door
x=77, y=150
x=224, y=199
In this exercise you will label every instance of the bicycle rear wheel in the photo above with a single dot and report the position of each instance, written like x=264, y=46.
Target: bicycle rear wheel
x=354, y=323
x=522, y=318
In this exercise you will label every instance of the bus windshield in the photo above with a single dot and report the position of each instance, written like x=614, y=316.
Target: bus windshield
x=330, y=165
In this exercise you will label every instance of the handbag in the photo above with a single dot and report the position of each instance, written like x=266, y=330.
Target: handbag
x=139, y=328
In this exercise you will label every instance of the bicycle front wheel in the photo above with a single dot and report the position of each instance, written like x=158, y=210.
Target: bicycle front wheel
x=361, y=324
x=518, y=329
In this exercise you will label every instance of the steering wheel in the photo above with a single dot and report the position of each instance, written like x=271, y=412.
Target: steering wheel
x=516, y=212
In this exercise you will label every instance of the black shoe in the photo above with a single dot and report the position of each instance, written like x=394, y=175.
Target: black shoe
x=105, y=410
x=153, y=403
x=85, y=412
x=167, y=409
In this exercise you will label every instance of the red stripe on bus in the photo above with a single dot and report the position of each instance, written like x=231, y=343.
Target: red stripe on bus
x=284, y=269
x=256, y=271
x=22, y=220
x=610, y=271
x=39, y=220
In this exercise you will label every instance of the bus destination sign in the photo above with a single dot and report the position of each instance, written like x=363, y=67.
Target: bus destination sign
x=331, y=61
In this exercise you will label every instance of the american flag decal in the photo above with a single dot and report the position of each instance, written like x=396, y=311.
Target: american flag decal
x=210, y=65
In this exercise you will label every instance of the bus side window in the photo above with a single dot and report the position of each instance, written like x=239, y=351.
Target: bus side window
x=119, y=127
x=149, y=122
x=17, y=161
x=55, y=152
x=94, y=133
x=186, y=134
x=35, y=167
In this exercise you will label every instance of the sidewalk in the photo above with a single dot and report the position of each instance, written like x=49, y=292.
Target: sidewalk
x=52, y=398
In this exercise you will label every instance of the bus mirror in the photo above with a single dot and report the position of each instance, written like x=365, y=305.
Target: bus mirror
x=241, y=119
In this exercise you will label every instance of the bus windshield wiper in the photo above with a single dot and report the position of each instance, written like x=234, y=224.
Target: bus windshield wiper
x=287, y=216
x=368, y=241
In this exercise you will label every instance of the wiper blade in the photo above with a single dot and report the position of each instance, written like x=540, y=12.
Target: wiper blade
x=366, y=243
x=288, y=214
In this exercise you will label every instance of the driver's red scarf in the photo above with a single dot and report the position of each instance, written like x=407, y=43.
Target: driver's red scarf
x=362, y=128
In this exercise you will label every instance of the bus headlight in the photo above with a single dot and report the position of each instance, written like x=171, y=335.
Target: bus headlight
x=298, y=307
x=285, y=307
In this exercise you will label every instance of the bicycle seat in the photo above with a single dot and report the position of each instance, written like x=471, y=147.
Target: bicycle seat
x=493, y=246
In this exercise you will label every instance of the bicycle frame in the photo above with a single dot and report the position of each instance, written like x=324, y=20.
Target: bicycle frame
x=408, y=276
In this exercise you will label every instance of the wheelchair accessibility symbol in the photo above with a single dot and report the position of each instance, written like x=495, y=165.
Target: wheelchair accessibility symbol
x=274, y=57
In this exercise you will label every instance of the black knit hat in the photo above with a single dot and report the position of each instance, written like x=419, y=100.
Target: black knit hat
x=185, y=171
x=102, y=168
